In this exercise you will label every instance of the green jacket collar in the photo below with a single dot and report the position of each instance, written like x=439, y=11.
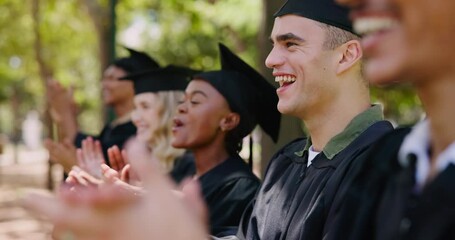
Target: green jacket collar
x=357, y=125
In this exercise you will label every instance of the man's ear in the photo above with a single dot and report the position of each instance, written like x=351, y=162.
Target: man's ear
x=350, y=54
x=230, y=121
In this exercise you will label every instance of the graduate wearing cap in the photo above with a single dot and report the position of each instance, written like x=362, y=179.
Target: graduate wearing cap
x=119, y=95
x=316, y=60
x=220, y=108
x=116, y=94
x=157, y=93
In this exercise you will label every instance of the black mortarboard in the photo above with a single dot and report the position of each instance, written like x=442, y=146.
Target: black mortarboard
x=170, y=78
x=247, y=92
x=136, y=62
x=324, y=11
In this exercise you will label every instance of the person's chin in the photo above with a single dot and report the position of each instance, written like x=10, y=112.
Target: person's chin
x=177, y=144
x=143, y=137
x=177, y=140
x=283, y=107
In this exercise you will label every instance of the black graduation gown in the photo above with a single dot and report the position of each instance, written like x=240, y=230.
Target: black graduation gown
x=294, y=200
x=382, y=202
x=183, y=167
x=227, y=189
x=110, y=136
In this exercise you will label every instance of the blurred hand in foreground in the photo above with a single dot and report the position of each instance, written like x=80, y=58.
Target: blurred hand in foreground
x=112, y=212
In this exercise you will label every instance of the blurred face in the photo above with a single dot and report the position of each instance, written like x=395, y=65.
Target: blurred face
x=146, y=115
x=405, y=39
x=301, y=65
x=199, y=115
x=116, y=91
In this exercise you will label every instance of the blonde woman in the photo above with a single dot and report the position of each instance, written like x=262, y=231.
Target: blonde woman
x=155, y=105
x=157, y=93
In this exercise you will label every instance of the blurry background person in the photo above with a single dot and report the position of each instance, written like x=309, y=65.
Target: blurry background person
x=158, y=214
x=157, y=94
x=407, y=189
x=116, y=94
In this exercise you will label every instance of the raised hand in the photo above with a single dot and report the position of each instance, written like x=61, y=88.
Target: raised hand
x=79, y=177
x=113, y=213
x=117, y=158
x=62, y=109
x=119, y=162
x=90, y=157
x=62, y=153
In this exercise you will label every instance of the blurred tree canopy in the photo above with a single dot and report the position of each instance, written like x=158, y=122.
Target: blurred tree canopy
x=66, y=36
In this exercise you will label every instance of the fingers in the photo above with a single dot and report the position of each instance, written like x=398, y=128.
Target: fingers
x=107, y=198
x=112, y=158
x=68, y=144
x=87, y=150
x=81, y=177
x=91, y=157
x=60, y=154
x=125, y=173
x=42, y=205
x=50, y=146
x=80, y=158
x=75, y=177
x=89, y=178
x=98, y=152
x=81, y=221
x=116, y=159
x=109, y=174
x=139, y=158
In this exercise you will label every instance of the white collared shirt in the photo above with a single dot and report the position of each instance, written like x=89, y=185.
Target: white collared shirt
x=417, y=142
x=311, y=155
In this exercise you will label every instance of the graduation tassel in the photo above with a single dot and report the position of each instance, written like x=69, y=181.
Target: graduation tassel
x=250, y=159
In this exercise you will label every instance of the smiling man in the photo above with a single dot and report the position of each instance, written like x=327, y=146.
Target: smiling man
x=317, y=61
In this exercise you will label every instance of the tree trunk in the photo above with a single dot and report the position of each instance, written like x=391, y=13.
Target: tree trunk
x=103, y=18
x=45, y=74
x=290, y=127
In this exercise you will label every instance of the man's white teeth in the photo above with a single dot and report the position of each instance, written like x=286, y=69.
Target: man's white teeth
x=365, y=26
x=284, y=79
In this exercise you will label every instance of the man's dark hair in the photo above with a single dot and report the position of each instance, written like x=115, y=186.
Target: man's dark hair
x=336, y=36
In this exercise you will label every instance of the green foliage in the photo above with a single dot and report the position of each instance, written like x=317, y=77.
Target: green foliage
x=400, y=102
x=172, y=31
x=187, y=32
x=68, y=49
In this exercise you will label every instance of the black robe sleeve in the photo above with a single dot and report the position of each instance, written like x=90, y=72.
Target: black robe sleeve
x=295, y=200
x=110, y=136
x=383, y=204
x=183, y=167
x=228, y=188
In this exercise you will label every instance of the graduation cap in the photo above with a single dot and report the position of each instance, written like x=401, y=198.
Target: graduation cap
x=324, y=11
x=170, y=78
x=247, y=92
x=136, y=62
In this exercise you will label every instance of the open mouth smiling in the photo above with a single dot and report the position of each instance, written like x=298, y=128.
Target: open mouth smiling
x=367, y=25
x=285, y=80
